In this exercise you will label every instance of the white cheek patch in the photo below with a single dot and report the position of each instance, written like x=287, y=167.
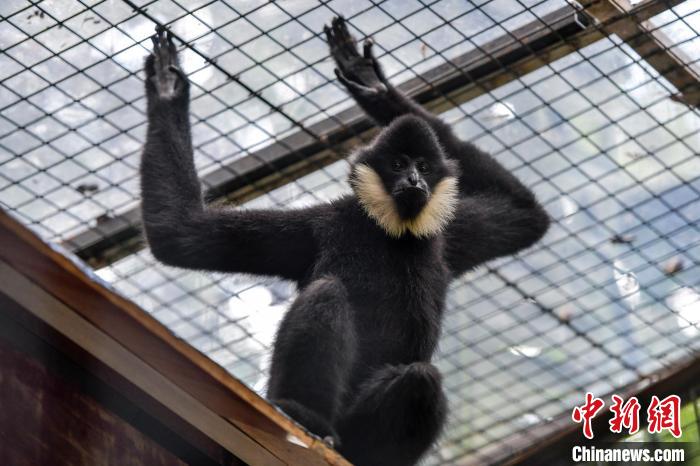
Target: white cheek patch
x=439, y=211
x=380, y=206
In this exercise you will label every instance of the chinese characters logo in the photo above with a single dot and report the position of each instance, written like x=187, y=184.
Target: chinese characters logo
x=661, y=415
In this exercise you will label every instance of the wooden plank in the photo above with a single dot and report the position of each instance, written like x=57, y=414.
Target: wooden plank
x=107, y=350
x=45, y=419
x=155, y=345
x=29, y=334
x=53, y=409
x=649, y=44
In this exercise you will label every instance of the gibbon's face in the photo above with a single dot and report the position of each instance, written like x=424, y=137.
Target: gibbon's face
x=404, y=182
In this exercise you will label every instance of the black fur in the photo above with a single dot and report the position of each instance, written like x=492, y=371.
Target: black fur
x=352, y=355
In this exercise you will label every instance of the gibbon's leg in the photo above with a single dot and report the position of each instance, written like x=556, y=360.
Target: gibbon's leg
x=313, y=354
x=396, y=417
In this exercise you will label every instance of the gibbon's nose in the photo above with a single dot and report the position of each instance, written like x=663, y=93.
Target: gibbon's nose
x=413, y=178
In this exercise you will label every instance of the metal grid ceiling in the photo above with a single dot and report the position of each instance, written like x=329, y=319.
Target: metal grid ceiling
x=611, y=295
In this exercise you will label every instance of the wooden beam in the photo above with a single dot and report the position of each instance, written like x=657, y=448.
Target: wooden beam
x=22, y=332
x=652, y=45
x=108, y=351
x=121, y=335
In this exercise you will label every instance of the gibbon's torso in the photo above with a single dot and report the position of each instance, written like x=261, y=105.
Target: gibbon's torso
x=397, y=291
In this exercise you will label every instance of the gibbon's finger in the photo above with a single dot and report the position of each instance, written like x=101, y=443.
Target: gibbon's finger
x=355, y=88
x=368, y=53
x=379, y=71
x=336, y=29
x=158, y=46
x=169, y=38
x=165, y=45
x=344, y=39
x=181, y=74
x=339, y=74
x=182, y=83
x=157, y=56
x=337, y=50
x=341, y=77
x=336, y=24
x=329, y=34
x=332, y=40
x=367, y=48
x=349, y=41
x=340, y=54
x=160, y=33
x=172, y=48
x=342, y=26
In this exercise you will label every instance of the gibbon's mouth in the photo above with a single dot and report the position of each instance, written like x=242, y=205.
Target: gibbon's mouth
x=410, y=201
x=411, y=190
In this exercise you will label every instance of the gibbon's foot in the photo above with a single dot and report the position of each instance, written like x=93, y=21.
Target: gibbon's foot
x=396, y=416
x=312, y=421
x=163, y=69
x=329, y=440
x=361, y=74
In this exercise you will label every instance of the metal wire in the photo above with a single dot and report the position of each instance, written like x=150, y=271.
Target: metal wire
x=609, y=297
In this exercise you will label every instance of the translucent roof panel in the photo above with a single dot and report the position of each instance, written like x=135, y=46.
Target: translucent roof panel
x=611, y=295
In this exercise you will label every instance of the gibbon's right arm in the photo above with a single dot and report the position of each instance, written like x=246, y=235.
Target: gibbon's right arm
x=180, y=230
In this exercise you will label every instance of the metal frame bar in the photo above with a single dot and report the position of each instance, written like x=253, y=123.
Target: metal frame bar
x=652, y=46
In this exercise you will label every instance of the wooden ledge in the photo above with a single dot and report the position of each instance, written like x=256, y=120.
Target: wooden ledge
x=69, y=300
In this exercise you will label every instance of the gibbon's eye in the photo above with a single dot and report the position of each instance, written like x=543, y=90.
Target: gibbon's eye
x=397, y=165
x=423, y=167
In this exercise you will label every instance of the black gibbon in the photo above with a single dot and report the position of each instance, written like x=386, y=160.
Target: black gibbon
x=352, y=356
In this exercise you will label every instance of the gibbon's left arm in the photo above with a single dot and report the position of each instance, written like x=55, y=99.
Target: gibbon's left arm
x=180, y=230
x=497, y=215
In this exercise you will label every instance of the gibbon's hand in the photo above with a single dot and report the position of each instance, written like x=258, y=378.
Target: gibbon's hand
x=361, y=74
x=165, y=80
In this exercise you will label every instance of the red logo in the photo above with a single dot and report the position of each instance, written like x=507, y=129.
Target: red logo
x=662, y=415
x=665, y=415
x=587, y=412
x=625, y=415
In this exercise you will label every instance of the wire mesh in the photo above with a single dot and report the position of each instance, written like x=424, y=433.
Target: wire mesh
x=609, y=297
